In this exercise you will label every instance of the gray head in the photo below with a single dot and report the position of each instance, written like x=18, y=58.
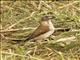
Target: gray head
x=46, y=18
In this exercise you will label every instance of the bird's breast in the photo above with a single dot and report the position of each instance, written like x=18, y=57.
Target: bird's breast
x=51, y=26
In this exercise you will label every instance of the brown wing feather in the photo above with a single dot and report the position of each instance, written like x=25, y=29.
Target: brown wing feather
x=40, y=30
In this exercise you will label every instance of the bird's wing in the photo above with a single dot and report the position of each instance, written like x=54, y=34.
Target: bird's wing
x=39, y=31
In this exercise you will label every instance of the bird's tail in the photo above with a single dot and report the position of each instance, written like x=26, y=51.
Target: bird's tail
x=19, y=41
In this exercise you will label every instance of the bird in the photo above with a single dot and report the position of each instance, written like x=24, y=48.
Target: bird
x=44, y=30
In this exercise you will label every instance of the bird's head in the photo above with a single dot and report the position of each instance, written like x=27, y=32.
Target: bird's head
x=46, y=18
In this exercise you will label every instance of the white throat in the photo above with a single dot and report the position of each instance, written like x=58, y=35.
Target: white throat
x=51, y=26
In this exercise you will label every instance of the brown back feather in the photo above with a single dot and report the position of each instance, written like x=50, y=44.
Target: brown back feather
x=39, y=31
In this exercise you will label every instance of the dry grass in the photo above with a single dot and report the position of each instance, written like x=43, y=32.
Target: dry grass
x=19, y=18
